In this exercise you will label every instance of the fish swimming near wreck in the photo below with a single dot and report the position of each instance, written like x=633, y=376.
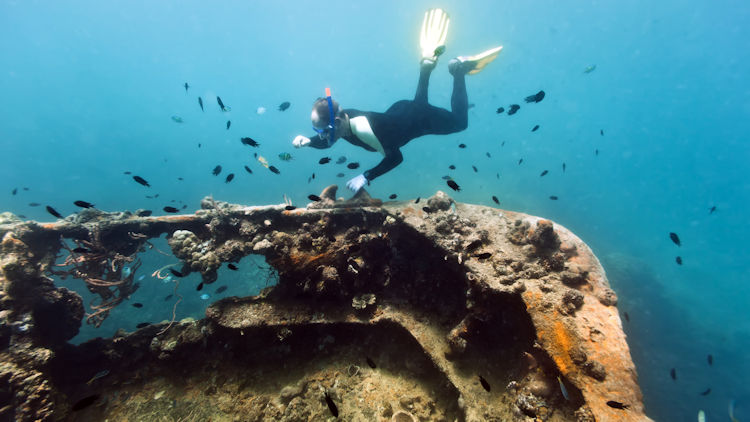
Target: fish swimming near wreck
x=675, y=238
x=53, y=212
x=141, y=181
x=83, y=204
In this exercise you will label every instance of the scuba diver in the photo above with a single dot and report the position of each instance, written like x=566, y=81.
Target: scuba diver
x=405, y=119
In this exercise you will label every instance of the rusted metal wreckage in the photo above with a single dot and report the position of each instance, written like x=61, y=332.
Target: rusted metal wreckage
x=433, y=310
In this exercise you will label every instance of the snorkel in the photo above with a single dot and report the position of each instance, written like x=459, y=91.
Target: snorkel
x=331, y=128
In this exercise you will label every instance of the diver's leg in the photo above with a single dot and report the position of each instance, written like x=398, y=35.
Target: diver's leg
x=460, y=103
x=439, y=121
x=425, y=70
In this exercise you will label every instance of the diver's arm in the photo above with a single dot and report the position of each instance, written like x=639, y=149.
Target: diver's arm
x=315, y=142
x=393, y=157
x=318, y=143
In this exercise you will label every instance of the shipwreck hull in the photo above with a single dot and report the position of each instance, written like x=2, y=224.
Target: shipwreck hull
x=430, y=311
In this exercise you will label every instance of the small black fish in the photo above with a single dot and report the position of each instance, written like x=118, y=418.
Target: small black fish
x=89, y=400
x=707, y=392
x=627, y=317
x=475, y=169
x=483, y=255
x=513, y=109
x=553, y=197
x=673, y=374
x=497, y=175
x=484, y=383
x=221, y=103
x=520, y=161
x=176, y=273
x=596, y=152
x=324, y=160
x=427, y=209
x=393, y=196
x=167, y=297
x=285, y=105
x=144, y=213
x=331, y=405
x=53, y=212
x=417, y=200
x=712, y=210
x=138, y=305
x=453, y=185
x=229, y=123
x=462, y=146
x=488, y=155
x=678, y=260
x=535, y=128
x=127, y=172
x=25, y=188
x=494, y=198
x=199, y=144
x=352, y=166
x=249, y=141
x=143, y=324
x=473, y=245
x=186, y=86
x=563, y=166
x=200, y=103
x=341, y=160
x=14, y=191
x=247, y=169
x=81, y=250
x=232, y=267
x=675, y=238
x=544, y=173
x=142, y=181
x=539, y=96
x=340, y=175
x=452, y=167
x=315, y=198
x=710, y=359
x=500, y=110
x=229, y=178
x=274, y=169
x=290, y=207
x=617, y=405
x=216, y=170
x=447, y=177
x=200, y=287
x=601, y=132
x=170, y=209
x=370, y=363
x=180, y=179
x=221, y=289
x=184, y=206
x=83, y=204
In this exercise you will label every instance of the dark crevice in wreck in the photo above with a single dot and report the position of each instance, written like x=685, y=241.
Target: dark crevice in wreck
x=385, y=308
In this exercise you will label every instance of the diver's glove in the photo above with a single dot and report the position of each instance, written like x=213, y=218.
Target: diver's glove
x=357, y=183
x=301, y=141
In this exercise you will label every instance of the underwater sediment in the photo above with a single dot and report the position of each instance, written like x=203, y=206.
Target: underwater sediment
x=393, y=311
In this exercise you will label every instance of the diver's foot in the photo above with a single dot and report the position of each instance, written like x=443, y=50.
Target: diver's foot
x=463, y=65
x=459, y=66
x=428, y=64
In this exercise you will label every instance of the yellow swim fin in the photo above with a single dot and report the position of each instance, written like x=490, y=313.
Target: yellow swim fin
x=475, y=64
x=433, y=34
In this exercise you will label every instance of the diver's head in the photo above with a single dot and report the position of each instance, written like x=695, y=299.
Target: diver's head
x=321, y=119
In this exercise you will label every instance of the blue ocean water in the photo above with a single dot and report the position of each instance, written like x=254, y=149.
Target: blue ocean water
x=89, y=89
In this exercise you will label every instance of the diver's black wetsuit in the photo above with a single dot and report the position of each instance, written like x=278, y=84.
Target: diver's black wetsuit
x=406, y=120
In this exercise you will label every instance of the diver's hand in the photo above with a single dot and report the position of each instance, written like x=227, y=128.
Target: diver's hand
x=357, y=183
x=301, y=141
